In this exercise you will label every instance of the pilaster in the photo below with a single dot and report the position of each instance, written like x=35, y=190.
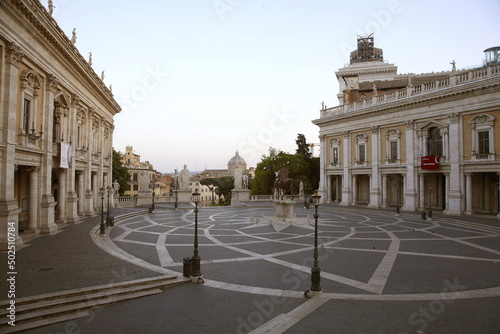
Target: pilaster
x=346, y=179
x=455, y=194
x=410, y=193
x=322, y=173
x=9, y=209
x=374, y=179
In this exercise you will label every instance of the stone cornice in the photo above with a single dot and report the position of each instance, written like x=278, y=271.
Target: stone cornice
x=366, y=68
x=33, y=15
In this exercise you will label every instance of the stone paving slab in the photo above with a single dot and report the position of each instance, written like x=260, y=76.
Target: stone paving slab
x=68, y=260
x=365, y=290
x=403, y=317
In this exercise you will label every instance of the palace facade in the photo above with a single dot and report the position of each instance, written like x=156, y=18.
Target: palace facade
x=143, y=177
x=56, y=125
x=413, y=141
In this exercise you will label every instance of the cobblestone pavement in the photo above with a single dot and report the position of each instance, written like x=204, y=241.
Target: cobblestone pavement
x=380, y=273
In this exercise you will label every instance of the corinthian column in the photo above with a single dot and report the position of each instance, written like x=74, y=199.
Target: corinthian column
x=9, y=209
x=33, y=201
x=61, y=197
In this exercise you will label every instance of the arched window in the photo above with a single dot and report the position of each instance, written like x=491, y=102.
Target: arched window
x=434, y=142
x=335, y=152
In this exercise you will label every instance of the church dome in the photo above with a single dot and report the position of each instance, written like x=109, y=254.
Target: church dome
x=237, y=160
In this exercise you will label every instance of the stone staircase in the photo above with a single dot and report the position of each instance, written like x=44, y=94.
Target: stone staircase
x=42, y=310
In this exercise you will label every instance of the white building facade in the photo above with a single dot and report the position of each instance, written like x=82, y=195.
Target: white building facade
x=56, y=119
x=412, y=140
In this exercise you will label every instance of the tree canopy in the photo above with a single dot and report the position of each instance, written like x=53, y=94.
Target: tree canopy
x=120, y=173
x=224, y=186
x=302, y=146
x=301, y=167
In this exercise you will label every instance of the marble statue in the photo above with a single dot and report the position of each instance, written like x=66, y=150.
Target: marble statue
x=301, y=188
x=184, y=183
x=245, y=181
x=51, y=7
x=116, y=187
x=73, y=38
x=176, y=179
x=238, y=176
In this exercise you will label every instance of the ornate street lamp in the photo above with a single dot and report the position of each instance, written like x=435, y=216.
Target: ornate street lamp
x=110, y=192
x=429, y=213
x=212, y=188
x=315, y=270
x=103, y=227
x=397, y=201
x=153, y=206
x=195, y=260
x=305, y=197
x=176, y=192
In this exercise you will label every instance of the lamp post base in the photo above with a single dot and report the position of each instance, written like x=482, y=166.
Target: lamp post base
x=310, y=294
x=197, y=279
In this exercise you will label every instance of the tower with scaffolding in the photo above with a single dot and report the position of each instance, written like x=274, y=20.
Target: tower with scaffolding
x=366, y=51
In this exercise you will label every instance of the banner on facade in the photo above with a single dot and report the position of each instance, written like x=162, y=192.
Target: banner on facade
x=66, y=155
x=430, y=162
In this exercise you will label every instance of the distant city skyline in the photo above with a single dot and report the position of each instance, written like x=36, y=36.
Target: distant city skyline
x=197, y=82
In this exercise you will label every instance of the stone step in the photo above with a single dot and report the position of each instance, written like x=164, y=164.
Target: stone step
x=67, y=312
x=83, y=291
x=41, y=310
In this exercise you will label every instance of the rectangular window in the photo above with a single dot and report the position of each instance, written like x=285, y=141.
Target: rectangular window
x=484, y=144
x=134, y=177
x=26, y=116
x=335, y=158
x=394, y=151
x=435, y=142
x=136, y=187
x=361, y=153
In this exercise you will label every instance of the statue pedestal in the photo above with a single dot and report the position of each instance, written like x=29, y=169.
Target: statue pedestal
x=284, y=217
x=284, y=209
x=184, y=196
x=239, y=195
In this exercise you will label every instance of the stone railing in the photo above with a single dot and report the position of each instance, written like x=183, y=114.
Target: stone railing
x=147, y=200
x=270, y=198
x=454, y=79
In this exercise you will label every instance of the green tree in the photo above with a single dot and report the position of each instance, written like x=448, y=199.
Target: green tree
x=265, y=177
x=301, y=167
x=302, y=146
x=224, y=186
x=120, y=173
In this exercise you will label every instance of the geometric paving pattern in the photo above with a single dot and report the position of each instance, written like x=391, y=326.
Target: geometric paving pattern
x=362, y=253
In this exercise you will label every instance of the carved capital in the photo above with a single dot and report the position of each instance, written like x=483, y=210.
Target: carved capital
x=76, y=100
x=454, y=117
x=32, y=169
x=375, y=129
x=14, y=55
x=53, y=82
x=346, y=134
x=410, y=124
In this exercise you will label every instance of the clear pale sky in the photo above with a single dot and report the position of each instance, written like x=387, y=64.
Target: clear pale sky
x=198, y=80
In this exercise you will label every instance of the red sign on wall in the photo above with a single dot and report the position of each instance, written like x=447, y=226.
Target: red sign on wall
x=430, y=162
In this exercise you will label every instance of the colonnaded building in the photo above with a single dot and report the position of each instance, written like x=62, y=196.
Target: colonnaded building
x=56, y=125
x=413, y=140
